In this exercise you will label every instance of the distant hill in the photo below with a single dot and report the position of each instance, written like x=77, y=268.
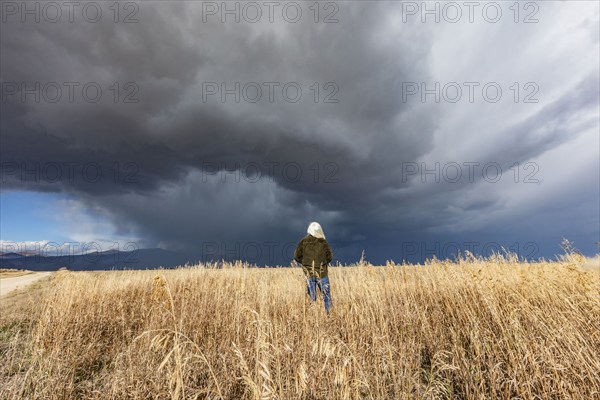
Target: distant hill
x=138, y=259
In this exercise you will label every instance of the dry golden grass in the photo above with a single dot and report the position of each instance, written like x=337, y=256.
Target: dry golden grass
x=477, y=329
x=592, y=263
x=11, y=273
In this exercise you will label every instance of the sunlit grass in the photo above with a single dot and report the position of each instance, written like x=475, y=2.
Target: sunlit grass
x=475, y=328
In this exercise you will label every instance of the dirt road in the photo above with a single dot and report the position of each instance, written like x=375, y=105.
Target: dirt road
x=7, y=285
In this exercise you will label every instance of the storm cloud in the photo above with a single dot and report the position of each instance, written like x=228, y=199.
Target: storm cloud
x=212, y=134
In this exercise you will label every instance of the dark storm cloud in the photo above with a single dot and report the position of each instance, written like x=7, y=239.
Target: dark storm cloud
x=155, y=154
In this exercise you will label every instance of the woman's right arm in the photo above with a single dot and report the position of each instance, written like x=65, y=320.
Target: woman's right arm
x=298, y=253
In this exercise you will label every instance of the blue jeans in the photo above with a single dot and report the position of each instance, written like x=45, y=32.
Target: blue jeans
x=323, y=284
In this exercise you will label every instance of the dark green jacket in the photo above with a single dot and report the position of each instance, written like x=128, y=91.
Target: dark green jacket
x=314, y=254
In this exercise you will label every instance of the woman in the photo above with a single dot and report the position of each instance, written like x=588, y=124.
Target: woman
x=314, y=254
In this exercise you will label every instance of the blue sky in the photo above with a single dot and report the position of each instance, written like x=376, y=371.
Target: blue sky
x=31, y=220
x=29, y=216
x=166, y=158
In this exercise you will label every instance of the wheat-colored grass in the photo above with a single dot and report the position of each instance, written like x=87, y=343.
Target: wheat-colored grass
x=13, y=273
x=475, y=328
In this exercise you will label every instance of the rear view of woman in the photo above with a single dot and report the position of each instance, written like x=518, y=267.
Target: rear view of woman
x=314, y=254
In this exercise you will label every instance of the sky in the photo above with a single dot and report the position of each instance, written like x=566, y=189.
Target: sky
x=225, y=129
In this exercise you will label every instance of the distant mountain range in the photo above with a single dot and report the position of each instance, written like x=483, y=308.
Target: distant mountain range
x=112, y=259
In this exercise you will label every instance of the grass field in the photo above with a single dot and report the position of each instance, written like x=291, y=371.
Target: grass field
x=475, y=328
x=12, y=273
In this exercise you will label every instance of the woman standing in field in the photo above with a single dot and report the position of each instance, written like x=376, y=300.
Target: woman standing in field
x=314, y=254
